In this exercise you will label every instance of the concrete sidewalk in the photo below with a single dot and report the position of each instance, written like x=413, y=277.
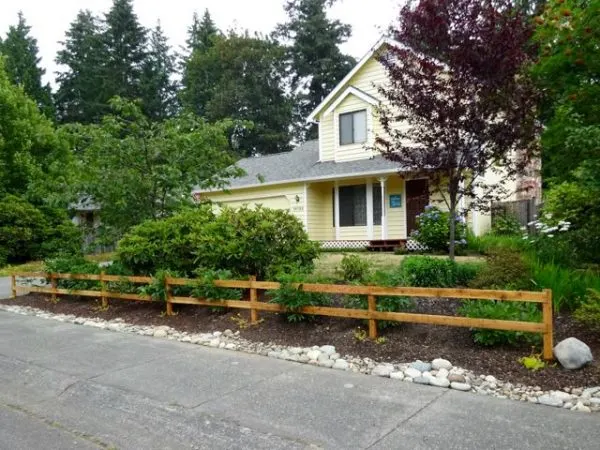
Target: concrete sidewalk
x=65, y=386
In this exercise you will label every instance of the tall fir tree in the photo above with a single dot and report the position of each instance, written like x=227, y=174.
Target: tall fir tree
x=79, y=97
x=243, y=78
x=22, y=64
x=317, y=62
x=201, y=33
x=125, y=45
x=158, y=88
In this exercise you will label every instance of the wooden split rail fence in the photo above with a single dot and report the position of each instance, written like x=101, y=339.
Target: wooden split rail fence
x=371, y=314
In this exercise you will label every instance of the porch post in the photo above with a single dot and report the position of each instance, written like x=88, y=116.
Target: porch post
x=384, y=224
x=369, y=209
x=337, y=211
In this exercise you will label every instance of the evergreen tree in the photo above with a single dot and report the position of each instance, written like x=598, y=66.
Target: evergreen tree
x=242, y=78
x=201, y=33
x=317, y=63
x=79, y=97
x=22, y=64
x=125, y=43
x=158, y=89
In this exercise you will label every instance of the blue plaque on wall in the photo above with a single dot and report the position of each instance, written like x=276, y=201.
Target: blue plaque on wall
x=395, y=201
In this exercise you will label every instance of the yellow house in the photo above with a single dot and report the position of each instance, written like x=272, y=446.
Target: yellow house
x=344, y=193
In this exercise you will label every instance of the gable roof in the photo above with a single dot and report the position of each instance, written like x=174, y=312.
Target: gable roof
x=380, y=43
x=302, y=165
x=351, y=90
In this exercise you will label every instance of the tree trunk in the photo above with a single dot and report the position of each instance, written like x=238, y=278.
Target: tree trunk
x=452, y=244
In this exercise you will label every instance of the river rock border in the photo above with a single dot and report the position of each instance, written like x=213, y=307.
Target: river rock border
x=439, y=372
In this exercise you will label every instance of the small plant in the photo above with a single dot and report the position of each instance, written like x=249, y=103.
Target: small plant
x=506, y=225
x=427, y=271
x=381, y=340
x=360, y=335
x=533, y=362
x=157, y=288
x=589, y=311
x=101, y=308
x=354, y=268
x=292, y=295
x=505, y=269
x=433, y=229
x=499, y=310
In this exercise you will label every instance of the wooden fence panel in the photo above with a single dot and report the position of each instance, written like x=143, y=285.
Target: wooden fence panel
x=371, y=314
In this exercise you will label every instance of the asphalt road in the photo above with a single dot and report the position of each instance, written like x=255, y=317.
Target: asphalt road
x=65, y=386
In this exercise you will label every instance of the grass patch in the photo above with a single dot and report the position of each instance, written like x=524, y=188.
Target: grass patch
x=38, y=266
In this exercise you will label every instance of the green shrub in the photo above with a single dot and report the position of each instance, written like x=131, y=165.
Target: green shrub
x=354, y=268
x=465, y=273
x=75, y=265
x=505, y=269
x=164, y=244
x=29, y=233
x=506, y=225
x=498, y=310
x=246, y=242
x=388, y=278
x=426, y=271
x=589, y=311
x=433, y=229
x=261, y=242
x=204, y=285
x=490, y=242
x=294, y=297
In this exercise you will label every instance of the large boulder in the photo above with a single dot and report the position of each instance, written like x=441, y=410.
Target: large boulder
x=572, y=353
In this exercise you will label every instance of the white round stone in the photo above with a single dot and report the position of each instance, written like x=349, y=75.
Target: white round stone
x=441, y=363
x=396, y=375
x=460, y=386
x=412, y=373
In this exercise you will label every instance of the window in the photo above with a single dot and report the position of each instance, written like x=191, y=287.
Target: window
x=353, y=205
x=353, y=127
x=377, y=204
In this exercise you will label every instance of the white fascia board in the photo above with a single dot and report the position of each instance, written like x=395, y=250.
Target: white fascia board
x=352, y=91
x=346, y=79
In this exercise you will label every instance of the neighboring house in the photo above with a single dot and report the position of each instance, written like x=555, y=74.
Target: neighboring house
x=345, y=194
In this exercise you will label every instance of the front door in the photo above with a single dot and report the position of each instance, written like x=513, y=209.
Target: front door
x=417, y=198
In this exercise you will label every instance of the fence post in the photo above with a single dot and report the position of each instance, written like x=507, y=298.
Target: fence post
x=548, y=326
x=169, y=297
x=53, y=285
x=103, y=291
x=253, y=299
x=372, y=322
x=13, y=286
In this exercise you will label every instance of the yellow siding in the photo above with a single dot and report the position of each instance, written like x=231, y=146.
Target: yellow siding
x=396, y=216
x=368, y=79
x=320, y=212
x=287, y=197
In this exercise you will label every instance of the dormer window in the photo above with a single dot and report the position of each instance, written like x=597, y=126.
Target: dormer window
x=353, y=127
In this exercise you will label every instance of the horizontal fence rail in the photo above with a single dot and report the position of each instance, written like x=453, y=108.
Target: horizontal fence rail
x=371, y=314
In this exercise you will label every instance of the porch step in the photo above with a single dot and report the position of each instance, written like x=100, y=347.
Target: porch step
x=386, y=245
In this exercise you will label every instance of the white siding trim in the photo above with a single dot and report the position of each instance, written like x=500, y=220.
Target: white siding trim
x=369, y=209
x=384, y=224
x=357, y=93
x=404, y=207
x=382, y=41
x=337, y=211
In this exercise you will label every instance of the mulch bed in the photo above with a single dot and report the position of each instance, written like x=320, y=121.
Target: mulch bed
x=405, y=343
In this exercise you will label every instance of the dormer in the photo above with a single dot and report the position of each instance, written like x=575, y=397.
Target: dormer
x=348, y=117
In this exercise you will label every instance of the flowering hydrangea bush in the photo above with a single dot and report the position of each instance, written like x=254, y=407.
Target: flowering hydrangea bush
x=550, y=239
x=433, y=229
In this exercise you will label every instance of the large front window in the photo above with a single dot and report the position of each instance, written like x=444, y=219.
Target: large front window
x=353, y=127
x=353, y=205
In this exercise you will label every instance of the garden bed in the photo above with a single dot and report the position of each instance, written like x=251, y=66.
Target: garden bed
x=406, y=342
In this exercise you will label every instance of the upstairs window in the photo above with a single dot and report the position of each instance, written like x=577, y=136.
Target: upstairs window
x=353, y=127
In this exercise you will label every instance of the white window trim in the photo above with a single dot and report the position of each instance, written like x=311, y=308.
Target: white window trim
x=338, y=148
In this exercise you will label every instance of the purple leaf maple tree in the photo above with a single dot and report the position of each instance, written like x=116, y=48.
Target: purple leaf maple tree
x=458, y=104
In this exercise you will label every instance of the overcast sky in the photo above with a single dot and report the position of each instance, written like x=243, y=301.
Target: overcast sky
x=50, y=19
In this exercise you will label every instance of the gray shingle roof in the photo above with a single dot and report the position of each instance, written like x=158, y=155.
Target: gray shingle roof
x=303, y=164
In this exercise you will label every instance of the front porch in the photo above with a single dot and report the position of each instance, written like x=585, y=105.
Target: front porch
x=360, y=212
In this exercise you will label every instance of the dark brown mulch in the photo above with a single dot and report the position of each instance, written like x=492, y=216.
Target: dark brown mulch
x=404, y=343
